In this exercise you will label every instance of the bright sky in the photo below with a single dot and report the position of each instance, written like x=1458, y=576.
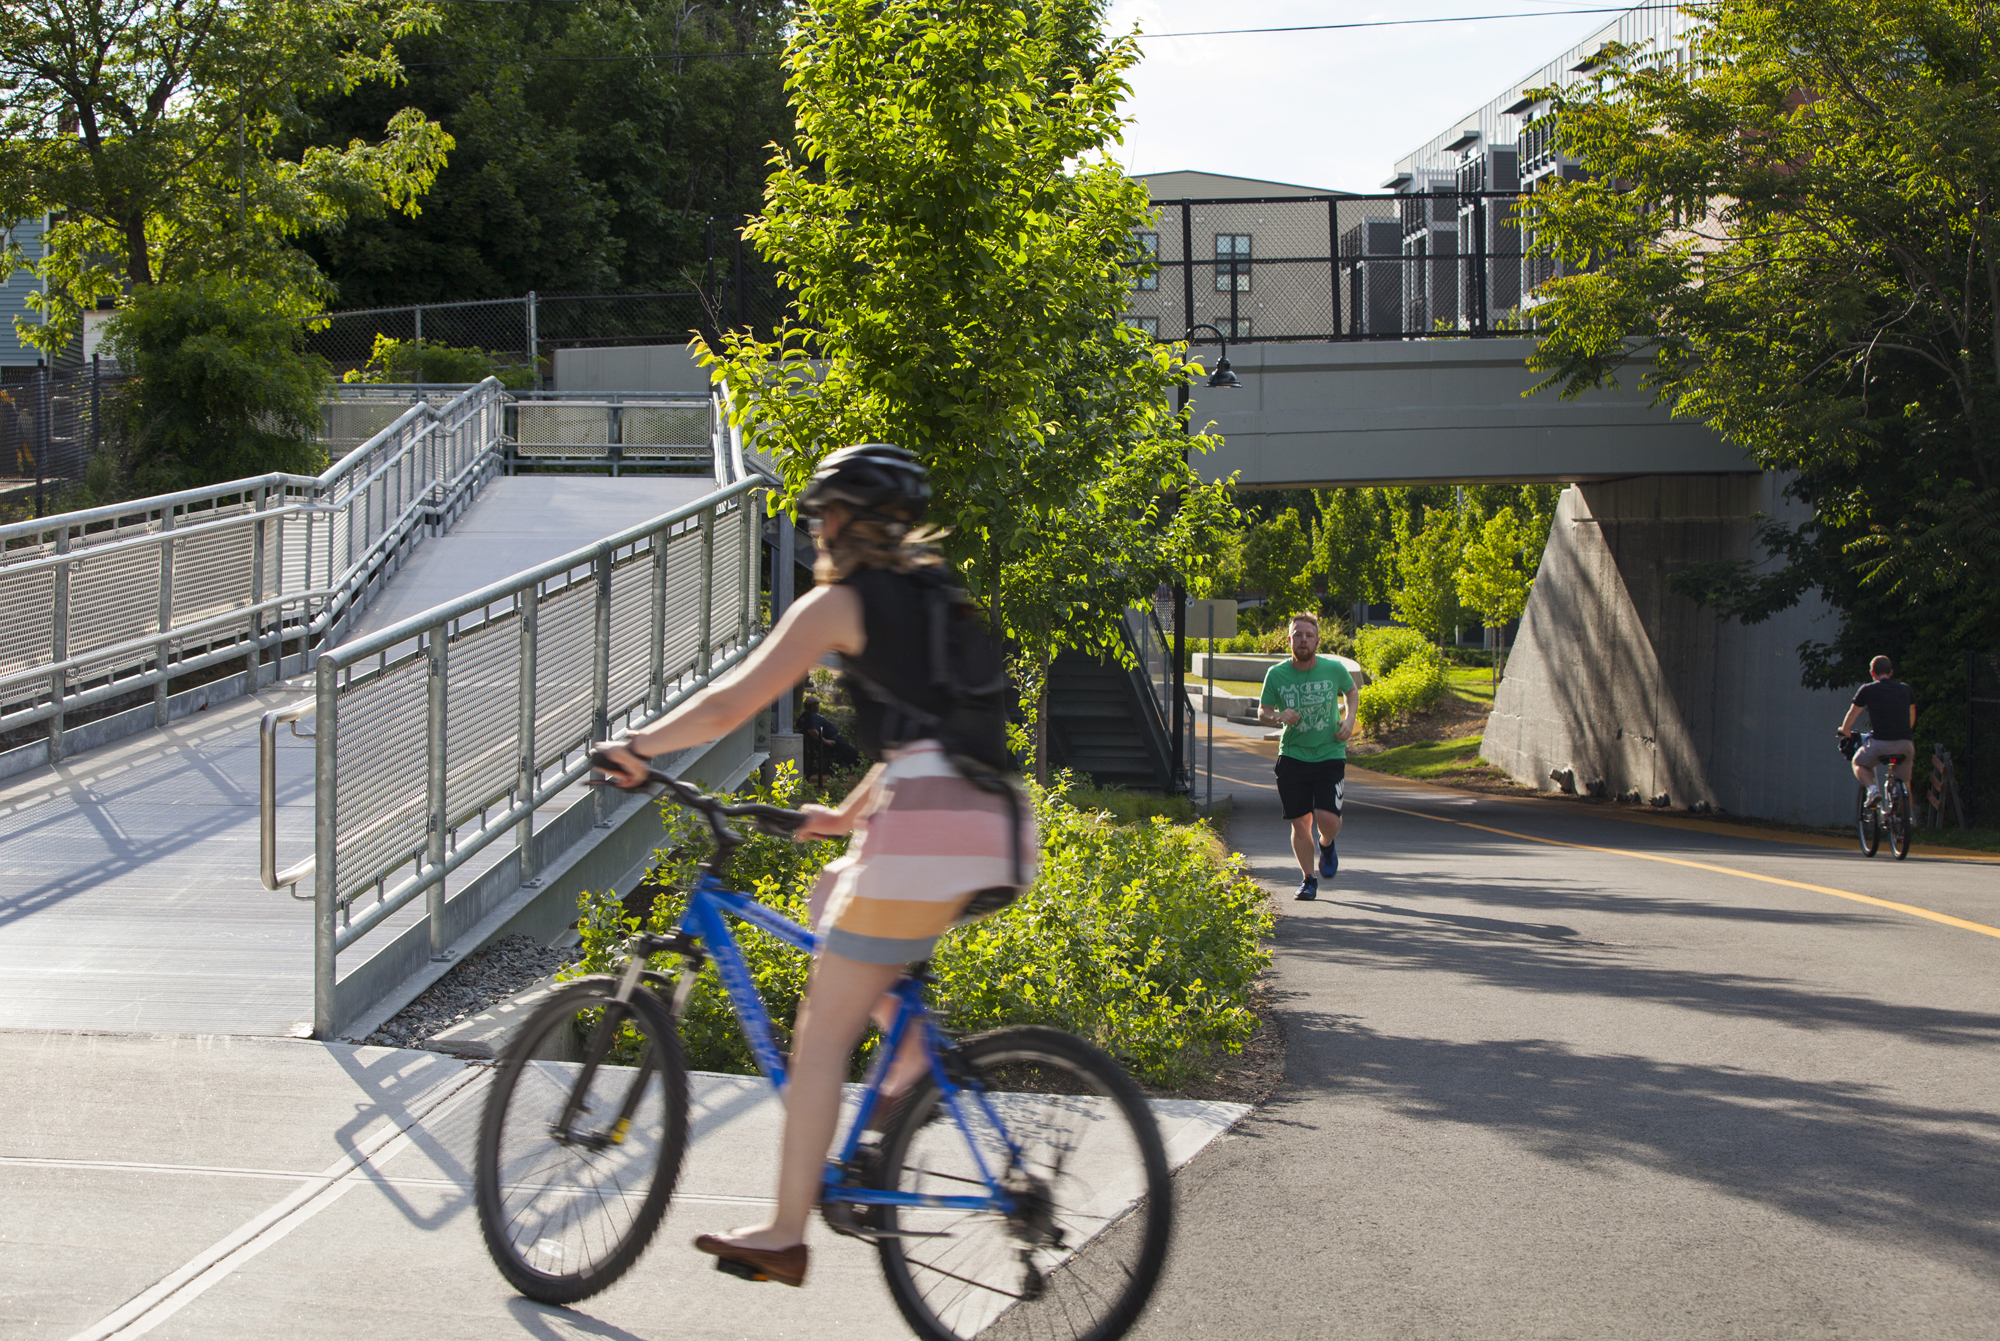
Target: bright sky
x=1327, y=109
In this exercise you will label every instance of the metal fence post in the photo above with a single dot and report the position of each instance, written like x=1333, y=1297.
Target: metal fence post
x=42, y=436
x=1480, y=290
x=326, y=873
x=704, y=656
x=656, y=646
x=1187, y=261
x=161, y=649
x=1333, y=268
x=524, y=729
x=600, y=668
x=96, y=405
x=435, y=707
x=59, y=647
x=257, y=539
x=534, y=341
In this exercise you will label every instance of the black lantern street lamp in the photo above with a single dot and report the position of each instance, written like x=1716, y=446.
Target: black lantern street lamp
x=1222, y=378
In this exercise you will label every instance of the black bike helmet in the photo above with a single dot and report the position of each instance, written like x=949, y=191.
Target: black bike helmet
x=873, y=478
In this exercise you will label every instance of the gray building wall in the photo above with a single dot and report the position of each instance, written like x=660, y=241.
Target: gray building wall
x=657, y=368
x=1632, y=688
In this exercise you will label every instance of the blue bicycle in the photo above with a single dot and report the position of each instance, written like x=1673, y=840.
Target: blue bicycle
x=1022, y=1182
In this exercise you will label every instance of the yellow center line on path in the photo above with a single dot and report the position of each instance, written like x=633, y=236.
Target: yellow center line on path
x=1890, y=904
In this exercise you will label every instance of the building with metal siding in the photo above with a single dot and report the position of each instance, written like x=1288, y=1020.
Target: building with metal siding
x=14, y=355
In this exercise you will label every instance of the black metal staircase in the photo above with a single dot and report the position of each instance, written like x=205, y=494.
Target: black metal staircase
x=1110, y=721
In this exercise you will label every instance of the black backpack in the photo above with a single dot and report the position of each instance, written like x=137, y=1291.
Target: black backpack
x=967, y=666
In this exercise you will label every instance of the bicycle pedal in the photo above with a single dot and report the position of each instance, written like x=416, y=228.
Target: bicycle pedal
x=741, y=1270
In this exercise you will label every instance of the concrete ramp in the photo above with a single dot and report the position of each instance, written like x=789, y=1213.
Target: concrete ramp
x=521, y=521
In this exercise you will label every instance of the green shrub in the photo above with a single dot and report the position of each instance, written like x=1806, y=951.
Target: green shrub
x=1141, y=937
x=223, y=386
x=1128, y=807
x=1416, y=683
x=1380, y=648
x=427, y=361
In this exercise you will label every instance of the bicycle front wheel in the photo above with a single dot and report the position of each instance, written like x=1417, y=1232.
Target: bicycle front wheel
x=581, y=1141
x=1082, y=1249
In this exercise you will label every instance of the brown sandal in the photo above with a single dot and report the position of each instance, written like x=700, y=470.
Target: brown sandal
x=787, y=1266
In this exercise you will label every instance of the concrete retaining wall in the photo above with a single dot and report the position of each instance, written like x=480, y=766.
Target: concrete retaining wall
x=1629, y=687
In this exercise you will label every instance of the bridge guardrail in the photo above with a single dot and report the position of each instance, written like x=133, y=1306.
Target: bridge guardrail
x=499, y=693
x=99, y=603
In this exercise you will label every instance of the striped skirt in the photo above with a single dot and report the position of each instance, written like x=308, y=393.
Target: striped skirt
x=928, y=842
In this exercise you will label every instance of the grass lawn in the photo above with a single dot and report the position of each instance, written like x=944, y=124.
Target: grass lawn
x=1427, y=759
x=1238, y=688
x=1472, y=683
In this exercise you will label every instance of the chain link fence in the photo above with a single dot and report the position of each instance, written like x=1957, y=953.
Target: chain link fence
x=51, y=424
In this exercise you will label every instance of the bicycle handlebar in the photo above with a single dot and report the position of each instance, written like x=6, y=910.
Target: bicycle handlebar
x=776, y=821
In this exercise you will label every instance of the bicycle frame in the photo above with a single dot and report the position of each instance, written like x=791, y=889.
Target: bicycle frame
x=706, y=919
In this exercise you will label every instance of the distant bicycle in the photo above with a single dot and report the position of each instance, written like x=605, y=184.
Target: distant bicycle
x=1887, y=811
x=1023, y=1178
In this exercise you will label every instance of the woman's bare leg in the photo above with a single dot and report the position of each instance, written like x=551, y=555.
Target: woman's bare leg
x=839, y=997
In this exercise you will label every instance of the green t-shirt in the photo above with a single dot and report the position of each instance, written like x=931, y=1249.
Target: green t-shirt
x=1316, y=694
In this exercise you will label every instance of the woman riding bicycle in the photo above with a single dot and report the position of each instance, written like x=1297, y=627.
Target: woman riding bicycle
x=927, y=840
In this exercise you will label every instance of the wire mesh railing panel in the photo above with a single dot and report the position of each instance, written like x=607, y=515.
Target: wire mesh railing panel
x=731, y=614
x=213, y=571
x=112, y=599
x=658, y=430
x=379, y=782
x=26, y=595
x=683, y=619
x=631, y=630
x=482, y=718
x=538, y=427
x=563, y=634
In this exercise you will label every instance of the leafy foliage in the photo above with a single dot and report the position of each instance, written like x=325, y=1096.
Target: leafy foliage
x=151, y=130
x=1497, y=568
x=593, y=141
x=1142, y=937
x=224, y=389
x=1277, y=560
x=1426, y=565
x=954, y=235
x=1381, y=648
x=394, y=360
x=1796, y=232
x=1416, y=683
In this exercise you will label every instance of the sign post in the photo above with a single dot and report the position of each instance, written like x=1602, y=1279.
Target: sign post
x=1220, y=617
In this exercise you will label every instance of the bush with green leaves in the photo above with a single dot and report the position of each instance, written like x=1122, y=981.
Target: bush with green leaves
x=1143, y=938
x=394, y=360
x=1416, y=681
x=1380, y=648
x=223, y=387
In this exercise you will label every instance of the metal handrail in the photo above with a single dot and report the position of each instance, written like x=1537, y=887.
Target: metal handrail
x=267, y=797
x=399, y=844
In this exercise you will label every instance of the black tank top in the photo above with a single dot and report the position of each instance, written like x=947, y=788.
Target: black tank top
x=894, y=613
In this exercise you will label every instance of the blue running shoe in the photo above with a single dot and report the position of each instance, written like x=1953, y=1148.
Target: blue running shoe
x=1329, y=861
x=1308, y=888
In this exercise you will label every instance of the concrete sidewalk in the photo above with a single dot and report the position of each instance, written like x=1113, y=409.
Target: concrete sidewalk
x=231, y=1189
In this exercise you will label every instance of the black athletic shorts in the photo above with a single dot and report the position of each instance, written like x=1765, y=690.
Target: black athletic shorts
x=1303, y=786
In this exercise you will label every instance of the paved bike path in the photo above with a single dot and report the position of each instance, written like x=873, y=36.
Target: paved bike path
x=228, y=1188
x=1559, y=1075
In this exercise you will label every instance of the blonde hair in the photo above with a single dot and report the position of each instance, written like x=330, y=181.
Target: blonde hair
x=875, y=542
x=1306, y=615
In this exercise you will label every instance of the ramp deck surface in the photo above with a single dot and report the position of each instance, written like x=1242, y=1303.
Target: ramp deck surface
x=129, y=894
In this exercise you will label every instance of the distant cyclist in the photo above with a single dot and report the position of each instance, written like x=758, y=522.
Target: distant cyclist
x=1892, y=721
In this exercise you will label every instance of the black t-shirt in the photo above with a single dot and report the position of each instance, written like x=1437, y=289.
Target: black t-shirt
x=1888, y=703
x=825, y=730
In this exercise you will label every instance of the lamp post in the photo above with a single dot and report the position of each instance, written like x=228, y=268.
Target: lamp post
x=1221, y=378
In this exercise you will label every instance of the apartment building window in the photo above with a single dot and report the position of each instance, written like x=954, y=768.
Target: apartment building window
x=1150, y=325
x=1232, y=262
x=1146, y=260
x=1234, y=328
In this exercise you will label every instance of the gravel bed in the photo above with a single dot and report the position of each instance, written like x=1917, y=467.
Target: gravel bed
x=487, y=976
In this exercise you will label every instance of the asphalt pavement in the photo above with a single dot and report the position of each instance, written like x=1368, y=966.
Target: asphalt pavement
x=1557, y=1074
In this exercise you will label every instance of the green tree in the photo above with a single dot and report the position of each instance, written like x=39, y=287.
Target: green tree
x=1497, y=572
x=1277, y=560
x=952, y=232
x=1426, y=567
x=593, y=142
x=149, y=129
x=1796, y=234
x=1351, y=546
x=225, y=387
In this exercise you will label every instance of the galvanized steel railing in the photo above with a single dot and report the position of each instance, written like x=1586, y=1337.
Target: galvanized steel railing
x=99, y=603
x=438, y=736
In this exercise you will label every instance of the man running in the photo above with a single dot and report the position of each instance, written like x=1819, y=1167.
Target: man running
x=1892, y=720
x=1314, y=699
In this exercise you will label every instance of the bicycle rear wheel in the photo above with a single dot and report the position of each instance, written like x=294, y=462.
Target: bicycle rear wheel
x=1082, y=1251
x=1899, y=821
x=1870, y=826
x=581, y=1141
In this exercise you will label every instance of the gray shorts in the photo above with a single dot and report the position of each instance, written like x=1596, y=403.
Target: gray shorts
x=1873, y=752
